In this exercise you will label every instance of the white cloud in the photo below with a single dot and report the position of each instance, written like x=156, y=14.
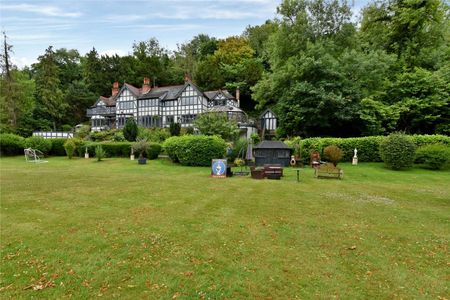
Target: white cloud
x=111, y=52
x=21, y=62
x=45, y=10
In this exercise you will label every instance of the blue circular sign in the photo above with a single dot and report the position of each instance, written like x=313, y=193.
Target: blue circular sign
x=218, y=168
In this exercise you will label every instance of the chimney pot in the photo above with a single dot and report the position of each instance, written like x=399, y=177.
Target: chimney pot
x=146, y=86
x=238, y=97
x=115, y=89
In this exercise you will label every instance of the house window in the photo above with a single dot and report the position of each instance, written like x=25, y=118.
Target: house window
x=187, y=119
x=169, y=119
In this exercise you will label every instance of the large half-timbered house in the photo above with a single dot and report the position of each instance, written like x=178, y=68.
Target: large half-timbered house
x=161, y=106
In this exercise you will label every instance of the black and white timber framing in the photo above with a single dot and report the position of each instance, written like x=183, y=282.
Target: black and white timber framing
x=161, y=106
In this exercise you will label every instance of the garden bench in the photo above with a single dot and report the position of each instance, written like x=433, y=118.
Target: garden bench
x=328, y=170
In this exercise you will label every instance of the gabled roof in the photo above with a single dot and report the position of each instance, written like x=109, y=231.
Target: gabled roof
x=271, y=145
x=213, y=94
x=165, y=92
x=134, y=90
x=267, y=110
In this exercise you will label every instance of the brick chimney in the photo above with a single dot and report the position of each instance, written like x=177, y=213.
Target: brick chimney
x=187, y=77
x=146, y=86
x=238, y=97
x=115, y=88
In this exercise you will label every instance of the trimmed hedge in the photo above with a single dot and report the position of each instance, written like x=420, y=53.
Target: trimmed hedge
x=11, y=144
x=171, y=147
x=195, y=150
x=435, y=156
x=153, y=151
x=58, y=147
x=112, y=149
x=368, y=147
x=39, y=143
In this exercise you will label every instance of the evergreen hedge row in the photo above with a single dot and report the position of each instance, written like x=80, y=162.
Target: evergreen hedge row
x=195, y=150
x=368, y=147
x=117, y=149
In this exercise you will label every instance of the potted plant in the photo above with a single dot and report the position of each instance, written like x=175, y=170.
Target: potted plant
x=141, y=147
x=239, y=162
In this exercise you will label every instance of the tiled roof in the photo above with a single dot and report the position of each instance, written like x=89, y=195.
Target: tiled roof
x=271, y=145
x=170, y=92
x=136, y=92
x=111, y=101
x=212, y=94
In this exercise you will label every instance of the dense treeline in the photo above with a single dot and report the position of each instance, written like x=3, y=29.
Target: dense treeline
x=323, y=73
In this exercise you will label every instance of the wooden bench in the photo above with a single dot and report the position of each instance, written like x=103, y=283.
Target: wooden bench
x=328, y=170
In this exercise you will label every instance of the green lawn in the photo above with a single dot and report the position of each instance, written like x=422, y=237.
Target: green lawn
x=84, y=229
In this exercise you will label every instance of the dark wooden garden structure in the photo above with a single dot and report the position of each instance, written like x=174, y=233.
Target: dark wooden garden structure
x=272, y=152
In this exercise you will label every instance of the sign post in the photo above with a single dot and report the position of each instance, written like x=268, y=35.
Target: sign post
x=219, y=168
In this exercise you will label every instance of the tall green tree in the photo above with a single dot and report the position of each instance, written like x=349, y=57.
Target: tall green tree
x=49, y=96
x=16, y=93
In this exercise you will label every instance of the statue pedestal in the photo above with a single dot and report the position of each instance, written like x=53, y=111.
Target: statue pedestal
x=132, y=157
x=355, y=161
x=86, y=155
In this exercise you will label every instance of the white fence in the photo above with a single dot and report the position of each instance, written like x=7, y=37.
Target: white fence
x=53, y=134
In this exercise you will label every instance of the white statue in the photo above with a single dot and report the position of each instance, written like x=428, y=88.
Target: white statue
x=356, y=152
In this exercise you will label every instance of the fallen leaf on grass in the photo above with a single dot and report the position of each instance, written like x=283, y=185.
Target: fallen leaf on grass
x=41, y=284
x=176, y=295
x=5, y=287
x=352, y=247
x=187, y=274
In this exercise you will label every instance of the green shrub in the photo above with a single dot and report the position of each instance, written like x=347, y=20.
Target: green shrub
x=170, y=146
x=156, y=134
x=39, y=143
x=130, y=130
x=70, y=147
x=11, y=144
x=175, y=129
x=83, y=131
x=118, y=136
x=333, y=154
x=255, y=138
x=435, y=156
x=398, y=151
x=117, y=149
x=99, y=152
x=106, y=135
x=58, y=147
x=239, y=149
x=67, y=127
x=153, y=150
x=195, y=150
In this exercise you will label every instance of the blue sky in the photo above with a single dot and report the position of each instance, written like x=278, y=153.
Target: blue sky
x=111, y=26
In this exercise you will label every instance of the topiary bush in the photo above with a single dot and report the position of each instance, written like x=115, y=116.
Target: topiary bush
x=39, y=143
x=195, y=150
x=70, y=147
x=175, y=129
x=99, y=152
x=58, y=147
x=333, y=154
x=11, y=144
x=153, y=150
x=435, y=156
x=398, y=151
x=130, y=130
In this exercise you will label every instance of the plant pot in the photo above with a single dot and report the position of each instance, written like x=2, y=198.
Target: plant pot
x=142, y=161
